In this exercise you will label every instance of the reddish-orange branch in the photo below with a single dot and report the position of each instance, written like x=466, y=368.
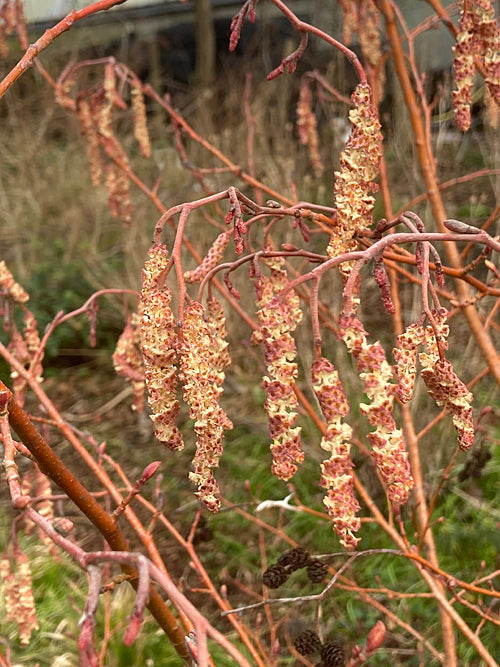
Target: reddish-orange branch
x=235, y=169
x=48, y=37
x=426, y=162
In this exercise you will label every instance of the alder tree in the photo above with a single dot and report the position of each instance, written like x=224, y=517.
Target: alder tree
x=179, y=340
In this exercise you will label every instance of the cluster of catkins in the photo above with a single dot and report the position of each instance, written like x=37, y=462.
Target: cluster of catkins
x=441, y=380
x=194, y=354
x=95, y=108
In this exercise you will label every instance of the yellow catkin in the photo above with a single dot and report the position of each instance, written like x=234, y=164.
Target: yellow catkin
x=89, y=131
x=158, y=343
x=405, y=355
x=277, y=320
x=201, y=386
x=359, y=167
x=443, y=384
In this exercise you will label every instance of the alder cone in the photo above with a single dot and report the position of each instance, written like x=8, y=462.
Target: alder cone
x=332, y=654
x=274, y=576
x=307, y=642
x=316, y=571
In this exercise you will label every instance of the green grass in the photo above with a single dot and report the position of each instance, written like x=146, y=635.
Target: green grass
x=465, y=538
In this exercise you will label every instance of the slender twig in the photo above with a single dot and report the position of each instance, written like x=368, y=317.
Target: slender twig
x=49, y=36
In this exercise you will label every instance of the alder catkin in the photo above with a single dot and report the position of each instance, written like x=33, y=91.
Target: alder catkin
x=15, y=290
x=277, y=320
x=307, y=127
x=211, y=259
x=443, y=384
x=201, y=380
x=463, y=64
x=158, y=343
x=140, y=121
x=359, y=167
x=405, y=355
x=336, y=477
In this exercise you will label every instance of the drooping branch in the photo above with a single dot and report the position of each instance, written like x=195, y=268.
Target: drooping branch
x=49, y=36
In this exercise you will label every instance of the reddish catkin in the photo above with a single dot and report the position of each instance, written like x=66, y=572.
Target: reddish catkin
x=201, y=389
x=117, y=187
x=359, y=167
x=158, y=342
x=278, y=318
x=450, y=392
x=307, y=127
x=387, y=441
x=32, y=340
x=101, y=114
x=370, y=33
x=336, y=477
x=211, y=259
x=19, y=350
x=11, y=20
x=128, y=362
x=349, y=20
x=363, y=18
x=382, y=280
x=24, y=347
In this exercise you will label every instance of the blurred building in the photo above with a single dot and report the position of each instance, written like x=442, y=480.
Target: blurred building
x=171, y=26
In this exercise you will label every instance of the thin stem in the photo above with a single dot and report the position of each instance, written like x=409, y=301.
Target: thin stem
x=48, y=37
